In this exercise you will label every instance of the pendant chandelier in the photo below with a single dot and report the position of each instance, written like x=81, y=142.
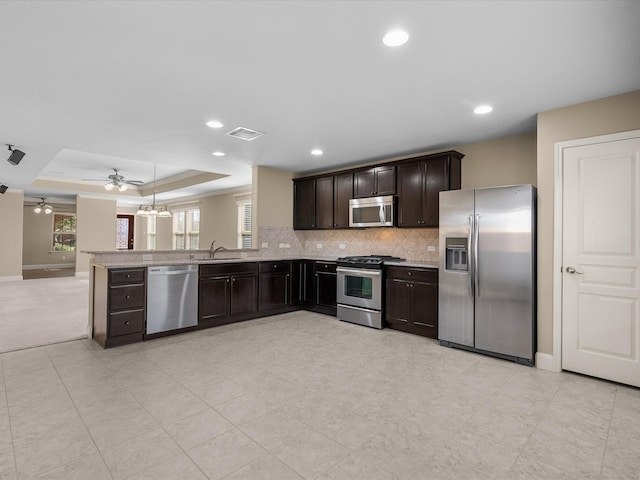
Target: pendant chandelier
x=151, y=210
x=43, y=206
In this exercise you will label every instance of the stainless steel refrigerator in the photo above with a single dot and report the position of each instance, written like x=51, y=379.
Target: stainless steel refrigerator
x=487, y=271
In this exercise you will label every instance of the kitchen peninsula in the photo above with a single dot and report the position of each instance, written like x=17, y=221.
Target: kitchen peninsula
x=237, y=285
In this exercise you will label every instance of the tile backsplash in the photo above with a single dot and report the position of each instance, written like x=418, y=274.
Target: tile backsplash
x=409, y=243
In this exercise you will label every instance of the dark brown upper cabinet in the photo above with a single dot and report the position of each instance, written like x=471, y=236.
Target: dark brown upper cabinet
x=342, y=193
x=324, y=202
x=376, y=181
x=419, y=185
x=304, y=204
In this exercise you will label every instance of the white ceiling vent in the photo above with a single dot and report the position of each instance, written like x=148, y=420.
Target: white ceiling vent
x=244, y=133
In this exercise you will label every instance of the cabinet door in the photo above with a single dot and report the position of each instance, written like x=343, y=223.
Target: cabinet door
x=324, y=202
x=326, y=286
x=304, y=204
x=364, y=183
x=301, y=282
x=342, y=193
x=411, y=186
x=273, y=291
x=385, y=180
x=398, y=303
x=437, y=180
x=244, y=295
x=213, y=300
x=424, y=309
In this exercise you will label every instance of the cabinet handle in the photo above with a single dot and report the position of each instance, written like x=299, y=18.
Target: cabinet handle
x=409, y=273
x=127, y=322
x=128, y=275
x=127, y=297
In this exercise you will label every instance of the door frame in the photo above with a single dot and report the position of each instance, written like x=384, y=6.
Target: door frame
x=555, y=362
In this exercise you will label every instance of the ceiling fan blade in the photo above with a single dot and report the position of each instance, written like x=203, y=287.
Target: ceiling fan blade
x=134, y=182
x=94, y=179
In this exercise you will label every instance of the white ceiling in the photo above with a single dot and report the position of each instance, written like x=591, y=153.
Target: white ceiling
x=90, y=86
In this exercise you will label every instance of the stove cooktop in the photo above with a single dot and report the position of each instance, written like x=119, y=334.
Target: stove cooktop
x=367, y=260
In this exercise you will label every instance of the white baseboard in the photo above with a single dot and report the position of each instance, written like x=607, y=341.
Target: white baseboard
x=11, y=278
x=544, y=361
x=49, y=265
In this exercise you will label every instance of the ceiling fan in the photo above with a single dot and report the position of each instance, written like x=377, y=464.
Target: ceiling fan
x=115, y=180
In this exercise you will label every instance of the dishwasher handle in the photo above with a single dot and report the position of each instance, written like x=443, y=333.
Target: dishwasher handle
x=159, y=271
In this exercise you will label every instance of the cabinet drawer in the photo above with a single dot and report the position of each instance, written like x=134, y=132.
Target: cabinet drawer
x=227, y=269
x=426, y=275
x=124, y=323
x=130, y=275
x=327, y=267
x=126, y=297
x=274, y=267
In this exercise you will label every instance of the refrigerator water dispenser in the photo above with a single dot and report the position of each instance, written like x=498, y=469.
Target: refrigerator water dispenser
x=456, y=254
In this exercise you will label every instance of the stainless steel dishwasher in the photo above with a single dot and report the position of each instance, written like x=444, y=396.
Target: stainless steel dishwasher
x=172, y=297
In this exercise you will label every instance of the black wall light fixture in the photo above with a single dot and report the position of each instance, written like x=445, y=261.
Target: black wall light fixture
x=3, y=188
x=16, y=155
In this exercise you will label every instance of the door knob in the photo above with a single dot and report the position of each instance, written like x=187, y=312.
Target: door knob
x=573, y=271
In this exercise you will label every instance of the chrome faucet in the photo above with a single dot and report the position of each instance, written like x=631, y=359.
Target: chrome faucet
x=212, y=251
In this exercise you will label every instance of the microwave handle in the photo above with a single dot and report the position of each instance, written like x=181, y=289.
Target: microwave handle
x=382, y=220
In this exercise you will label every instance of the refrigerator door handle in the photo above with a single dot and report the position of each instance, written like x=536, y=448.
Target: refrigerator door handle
x=476, y=272
x=470, y=260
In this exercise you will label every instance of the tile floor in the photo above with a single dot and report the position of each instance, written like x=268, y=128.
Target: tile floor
x=303, y=395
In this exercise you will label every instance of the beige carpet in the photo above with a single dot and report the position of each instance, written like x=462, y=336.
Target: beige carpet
x=42, y=312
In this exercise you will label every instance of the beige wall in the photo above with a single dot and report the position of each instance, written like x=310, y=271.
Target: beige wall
x=272, y=202
x=96, y=224
x=37, y=238
x=11, y=211
x=219, y=219
x=504, y=161
x=164, y=233
x=599, y=117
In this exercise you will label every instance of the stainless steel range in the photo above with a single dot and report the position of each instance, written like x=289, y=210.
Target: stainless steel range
x=359, y=289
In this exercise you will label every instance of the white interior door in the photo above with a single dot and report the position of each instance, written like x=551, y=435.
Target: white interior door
x=601, y=267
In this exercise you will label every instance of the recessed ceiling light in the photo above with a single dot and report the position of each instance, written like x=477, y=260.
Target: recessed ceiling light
x=215, y=124
x=218, y=154
x=482, y=109
x=395, y=38
x=316, y=151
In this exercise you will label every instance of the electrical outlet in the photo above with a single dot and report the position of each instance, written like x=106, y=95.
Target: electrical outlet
x=265, y=245
x=342, y=246
x=431, y=248
x=318, y=245
x=281, y=245
x=287, y=245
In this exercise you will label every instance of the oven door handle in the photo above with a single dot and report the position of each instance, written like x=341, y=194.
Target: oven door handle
x=362, y=272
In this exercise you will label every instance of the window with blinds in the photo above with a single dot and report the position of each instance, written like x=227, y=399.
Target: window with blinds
x=244, y=224
x=186, y=229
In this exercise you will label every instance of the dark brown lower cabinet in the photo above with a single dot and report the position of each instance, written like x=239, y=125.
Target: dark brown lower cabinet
x=118, y=305
x=214, y=301
x=325, y=281
x=411, y=296
x=227, y=293
x=302, y=283
x=244, y=294
x=274, y=286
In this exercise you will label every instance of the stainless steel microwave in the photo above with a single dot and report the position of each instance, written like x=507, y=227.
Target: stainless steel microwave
x=372, y=212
